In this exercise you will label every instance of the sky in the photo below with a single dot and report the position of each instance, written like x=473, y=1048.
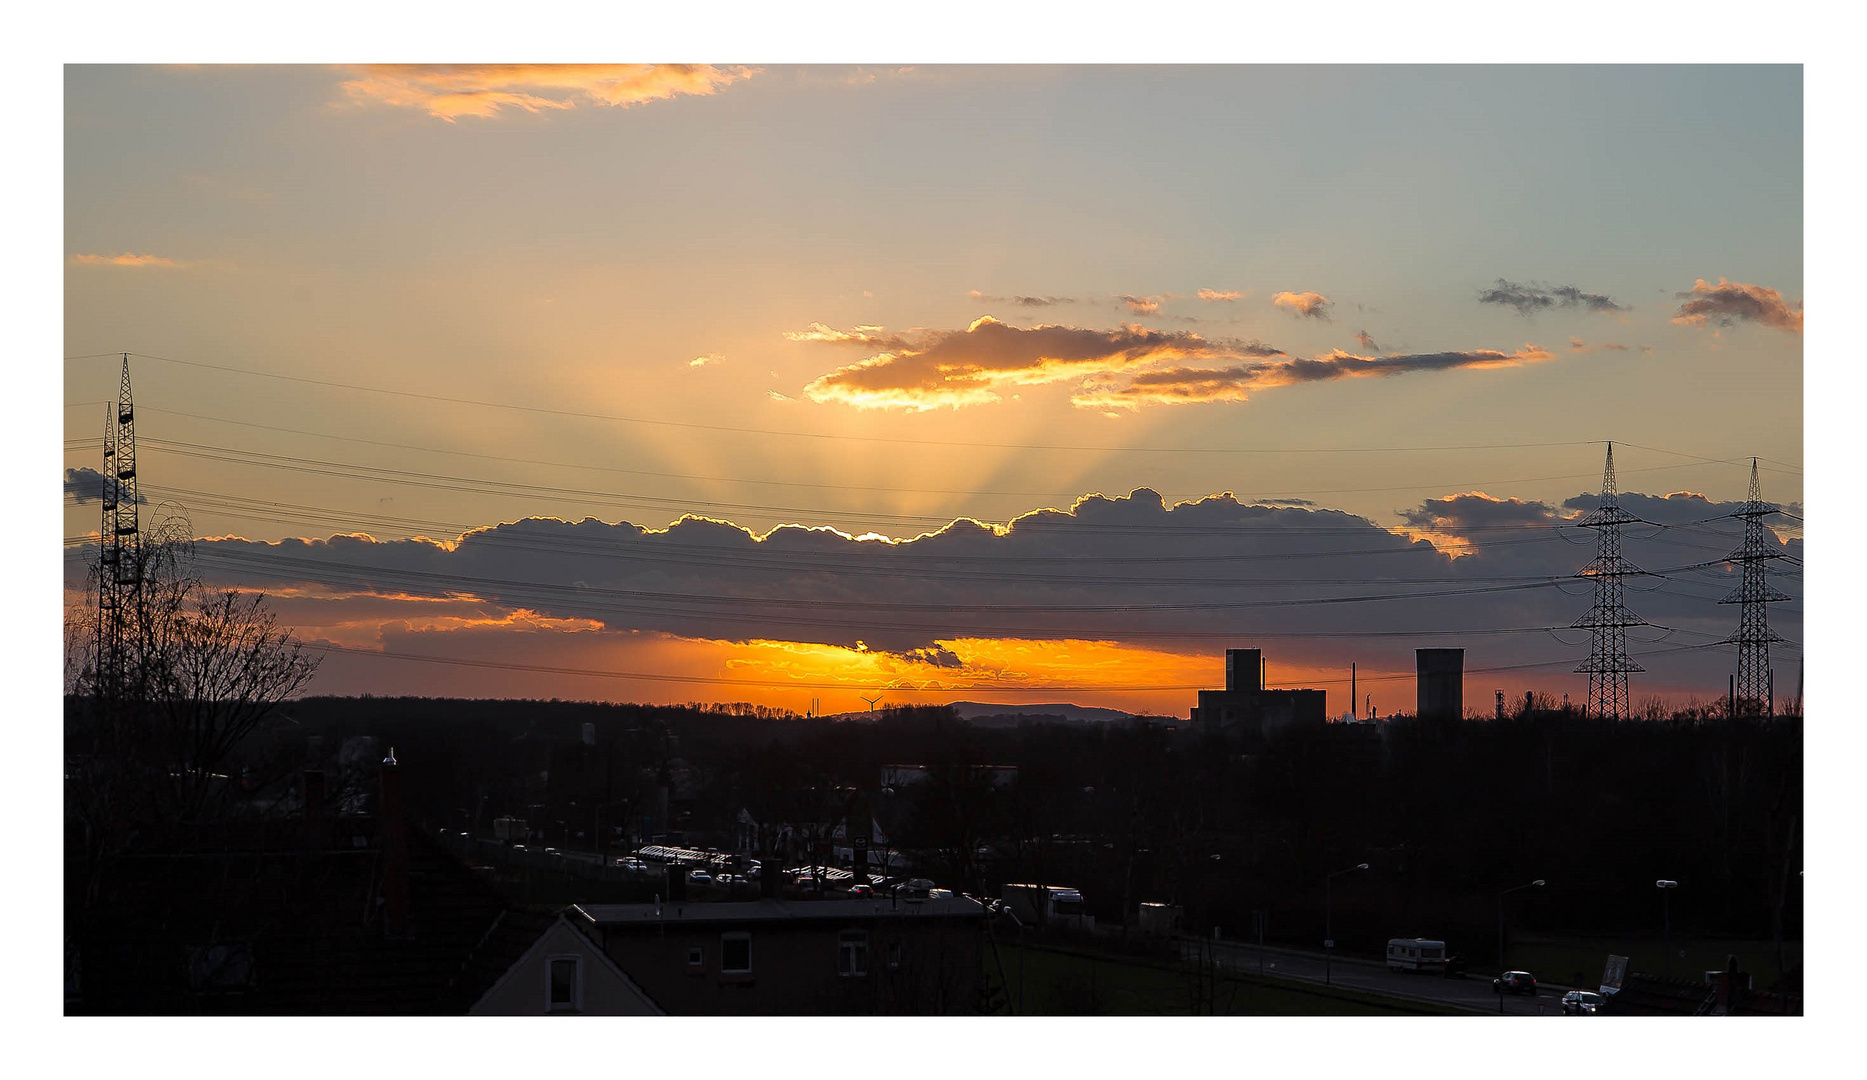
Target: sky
x=1235, y=347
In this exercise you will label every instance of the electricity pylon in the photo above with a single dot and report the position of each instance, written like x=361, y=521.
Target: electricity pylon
x=1754, y=693
x=1608, y=664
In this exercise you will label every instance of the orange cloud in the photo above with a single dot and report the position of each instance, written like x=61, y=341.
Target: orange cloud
x=1730, y=301
x=1307, y=304
x=703, y=361
x=1141, y=305
x=451, y=91
x=1213, y=295
x=1181, y=386
x=124, y=260
x=967, y=367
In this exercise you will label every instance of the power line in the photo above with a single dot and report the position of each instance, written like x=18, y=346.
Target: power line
x=888, y=683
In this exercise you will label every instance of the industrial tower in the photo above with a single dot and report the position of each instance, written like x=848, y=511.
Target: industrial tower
x=1608, y=664
x=120, y=608
x=1754, y=693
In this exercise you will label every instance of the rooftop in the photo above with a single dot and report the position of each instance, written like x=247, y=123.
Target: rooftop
x=775, y=910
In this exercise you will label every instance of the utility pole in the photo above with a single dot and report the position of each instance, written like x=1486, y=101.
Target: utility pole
x=1608, y=664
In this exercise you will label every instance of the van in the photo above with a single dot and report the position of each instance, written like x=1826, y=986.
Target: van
x=1416, y=954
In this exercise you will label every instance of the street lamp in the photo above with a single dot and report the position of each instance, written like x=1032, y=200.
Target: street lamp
x=1666, y=887
x=1502, y=966
x=1328, y=917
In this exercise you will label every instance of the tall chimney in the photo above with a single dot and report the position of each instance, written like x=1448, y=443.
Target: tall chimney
x=394, y=849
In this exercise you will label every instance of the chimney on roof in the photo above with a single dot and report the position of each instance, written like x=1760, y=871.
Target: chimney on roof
x=394, y=849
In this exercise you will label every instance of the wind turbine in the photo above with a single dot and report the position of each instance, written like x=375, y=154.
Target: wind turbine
x=871, y=701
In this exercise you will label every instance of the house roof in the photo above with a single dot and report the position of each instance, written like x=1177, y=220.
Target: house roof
x=611, y=916
x=291, y=932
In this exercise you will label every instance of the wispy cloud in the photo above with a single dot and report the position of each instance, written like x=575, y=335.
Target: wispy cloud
x=1308, y=305
x=1577, y=345
x=1216, y=296
x=1729, y=302
x=1530, y=299
x=1367, y=341
x=127, y=260
x=966, y=367
x=1022, y=301
x=1183, y=386
x=1141, y=305
x=703, y=361
x=870, y=337
x=451, y=91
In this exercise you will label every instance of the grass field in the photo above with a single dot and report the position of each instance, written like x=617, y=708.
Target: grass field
x=1071, y=982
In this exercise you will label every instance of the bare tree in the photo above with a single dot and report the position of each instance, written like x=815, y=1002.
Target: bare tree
x=203, y=668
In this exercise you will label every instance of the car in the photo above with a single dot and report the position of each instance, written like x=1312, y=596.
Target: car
x=699, y=877
x=859, y=891
x=1515, y=982
x=1455, y=967
x=939, y=894
x=1581, y=1003
x=632, y=864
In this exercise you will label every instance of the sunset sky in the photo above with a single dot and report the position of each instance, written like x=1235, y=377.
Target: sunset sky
x=1247, y=334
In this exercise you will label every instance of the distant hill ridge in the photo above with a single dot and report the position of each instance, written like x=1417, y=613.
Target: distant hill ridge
x=1089, y=714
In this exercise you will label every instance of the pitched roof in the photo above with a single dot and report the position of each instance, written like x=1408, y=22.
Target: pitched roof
x=291, y=933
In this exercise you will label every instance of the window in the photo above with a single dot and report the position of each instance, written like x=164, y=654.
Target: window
x=736, y=954
x=564, y=985
x=852, y=953
x=696, y=957
x=894, y=956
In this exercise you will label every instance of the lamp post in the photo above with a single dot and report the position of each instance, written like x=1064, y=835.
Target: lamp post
x=1666, y=887
x=1328, y=919
x=1502, y=966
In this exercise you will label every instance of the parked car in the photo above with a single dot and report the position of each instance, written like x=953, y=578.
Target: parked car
x=633, y=864
x=859, y=891
x=699, y=877
x=1515, y=982
x=1580, y=1003
x=939, y=894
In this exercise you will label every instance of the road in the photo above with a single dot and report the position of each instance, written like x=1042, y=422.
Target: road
x=1472, y=993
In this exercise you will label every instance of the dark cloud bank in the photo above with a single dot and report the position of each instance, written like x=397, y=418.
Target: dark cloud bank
x=1243, y=572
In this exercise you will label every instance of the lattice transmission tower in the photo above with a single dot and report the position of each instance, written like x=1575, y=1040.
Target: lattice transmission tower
x=1754, y=694
x=120, y=607
x=1608, y=664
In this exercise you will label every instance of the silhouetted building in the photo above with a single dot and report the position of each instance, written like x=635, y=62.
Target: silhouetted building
x=798, y=957
x=1246, y=707
x=1441, y=683
x=564, y=972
